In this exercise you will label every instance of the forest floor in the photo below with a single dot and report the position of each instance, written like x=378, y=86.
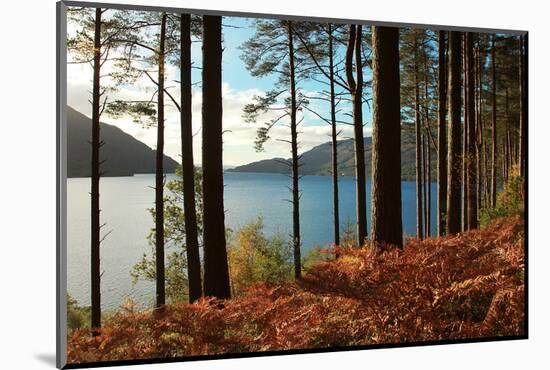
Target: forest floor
x=458, y=287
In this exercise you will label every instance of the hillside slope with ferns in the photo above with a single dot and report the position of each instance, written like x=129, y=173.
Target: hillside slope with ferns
x=469, y=285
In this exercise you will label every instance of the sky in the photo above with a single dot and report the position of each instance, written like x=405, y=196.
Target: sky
x=239, y=88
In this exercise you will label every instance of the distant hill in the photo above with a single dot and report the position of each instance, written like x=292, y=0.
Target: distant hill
x=123, y=154
x=317, y=161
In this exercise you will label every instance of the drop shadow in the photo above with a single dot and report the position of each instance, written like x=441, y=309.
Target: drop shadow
x=46, y=358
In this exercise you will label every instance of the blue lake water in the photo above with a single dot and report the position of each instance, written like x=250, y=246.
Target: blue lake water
x=125, y=200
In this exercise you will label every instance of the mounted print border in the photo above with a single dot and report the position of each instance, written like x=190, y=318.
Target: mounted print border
x=305, y=203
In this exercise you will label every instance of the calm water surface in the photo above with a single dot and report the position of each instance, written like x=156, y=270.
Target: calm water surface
x=124, y=211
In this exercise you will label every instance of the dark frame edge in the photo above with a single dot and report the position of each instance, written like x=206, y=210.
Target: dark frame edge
x=61, y=183
x=290, y=352
x=526, y=186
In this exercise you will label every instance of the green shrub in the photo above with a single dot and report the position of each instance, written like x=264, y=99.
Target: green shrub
x=349, y=234
x=177, y=285
x=315, y=255
x=254, y=258
x=510, y=202
x=77, y=317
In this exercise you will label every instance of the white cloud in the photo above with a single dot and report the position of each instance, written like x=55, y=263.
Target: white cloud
x=238, y=137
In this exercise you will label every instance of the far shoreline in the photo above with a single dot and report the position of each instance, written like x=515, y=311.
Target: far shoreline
x=231, y=170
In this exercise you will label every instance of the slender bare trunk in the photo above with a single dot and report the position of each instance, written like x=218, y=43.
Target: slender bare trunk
x=509, y=139
x=356, y=88
x=418, y=145
x=334, y=134
x=486, y=177
x=483, y=133
x=471, y=173
x=424, y=184
x=359, y=140
x=522, y=103
x=159, y=176
x=479, y=128
x=295, y=166
x=429, y=188
x=494, y=125
x=96, y=144
x=505, y=155
x=187, y=164
x=427, y=162
x=441, y=136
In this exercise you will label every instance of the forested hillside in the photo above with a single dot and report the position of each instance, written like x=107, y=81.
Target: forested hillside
x=123, y=155
x=317, y=161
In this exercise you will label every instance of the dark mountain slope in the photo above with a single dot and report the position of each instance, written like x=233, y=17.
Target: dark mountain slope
x=317, y=161
x=123, y=154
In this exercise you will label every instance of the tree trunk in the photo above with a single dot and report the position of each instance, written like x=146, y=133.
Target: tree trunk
x=386, y=220
x=295, y=165
x=159, y=177
x=356, y=88
x=359, y=143
x=424, y=185
x=471, y=173
x=479, y=128
x=334, y=133
x=487, y=182
x=506, y=156
x=454, y=149
x=494, y=126
x=216, y=271
x=507, y=140
x=522, y=102
x=187, y=163
x=503, y=159
x=465, y=189
x=427, y=161
x=478, y=169
x=429, y=188
x=96, y=144
x=441, y=136
x=483, y=133
x=514, y=146
x=418, y=132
